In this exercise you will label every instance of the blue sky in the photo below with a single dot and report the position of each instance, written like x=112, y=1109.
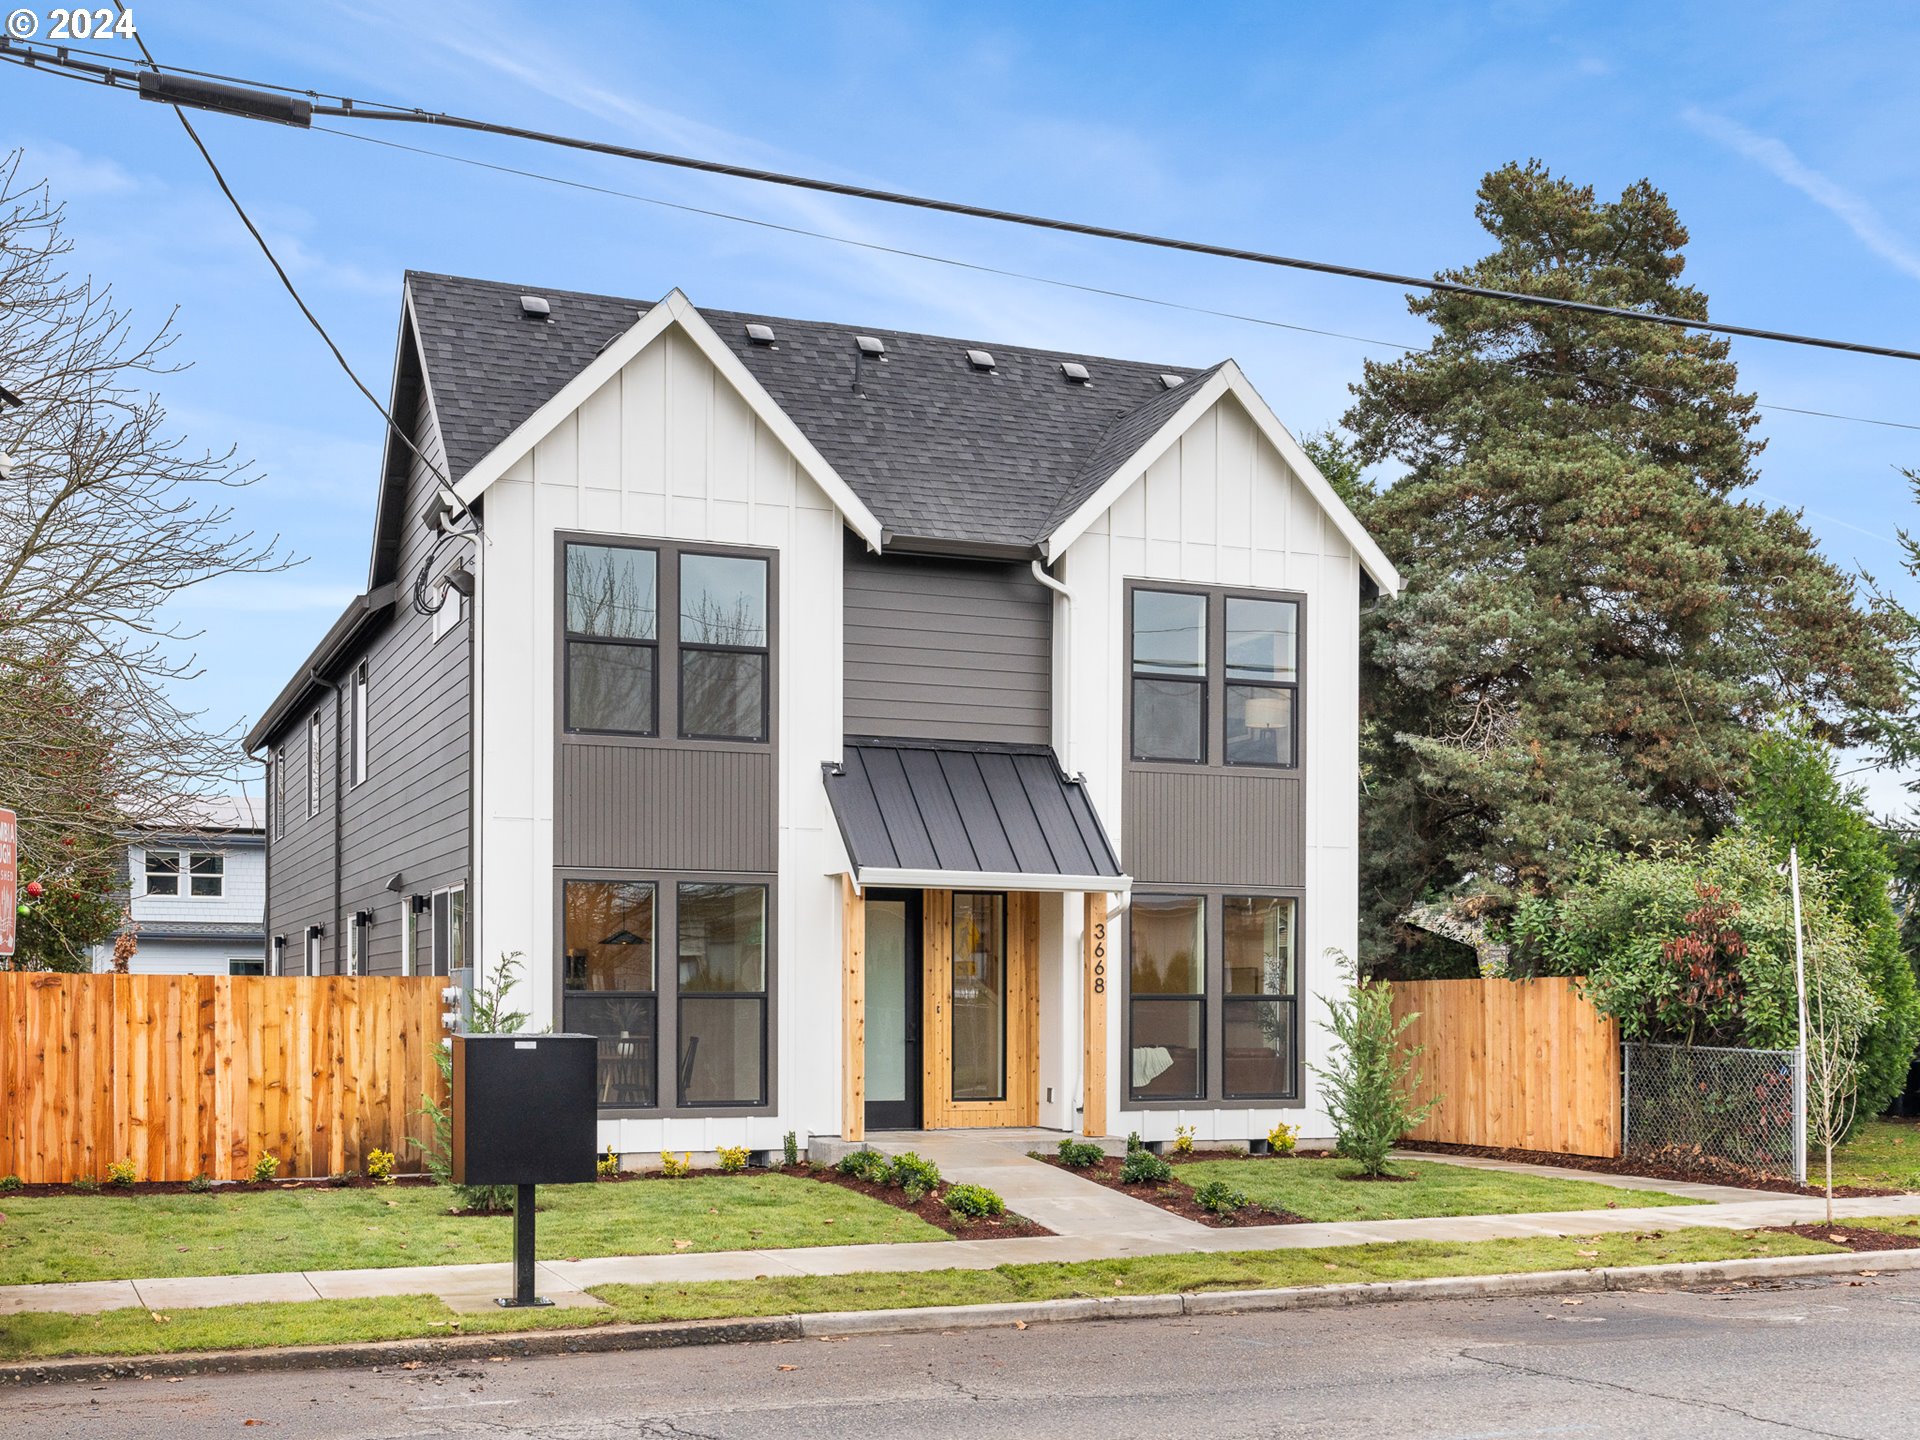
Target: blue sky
x=1784, y=133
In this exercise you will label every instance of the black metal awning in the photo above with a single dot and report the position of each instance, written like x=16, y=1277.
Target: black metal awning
x=920, y=813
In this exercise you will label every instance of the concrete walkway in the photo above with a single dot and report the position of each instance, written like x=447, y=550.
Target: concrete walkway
x=1090, y=1222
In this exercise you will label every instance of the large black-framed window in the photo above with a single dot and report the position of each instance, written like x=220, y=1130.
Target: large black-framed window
x=722, y=1032
x=723, y=646
x=1167, y=997
x=1214, y=676
x=1213, y=1015
x=609, y=983
x=1169, y=676
x=612, y=639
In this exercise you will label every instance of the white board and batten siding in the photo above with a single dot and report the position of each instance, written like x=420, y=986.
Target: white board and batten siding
x=1220, y=507
x=667, y=449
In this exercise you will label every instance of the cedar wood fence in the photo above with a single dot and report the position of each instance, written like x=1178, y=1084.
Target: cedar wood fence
x=188, y=1075
x=1528, y=1064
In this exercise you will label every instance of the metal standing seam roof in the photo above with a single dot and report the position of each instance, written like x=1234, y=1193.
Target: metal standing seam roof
x=912, y=807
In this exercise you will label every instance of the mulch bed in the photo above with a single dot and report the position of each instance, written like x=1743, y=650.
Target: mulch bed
x=928, y=1208
x=1177, y=1196
x=1694, y=1170
x=144, y=1188
x=1852, y=1236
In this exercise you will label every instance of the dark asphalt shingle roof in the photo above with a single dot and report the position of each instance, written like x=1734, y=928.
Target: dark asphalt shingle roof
x=922, y=805
x=936, y=449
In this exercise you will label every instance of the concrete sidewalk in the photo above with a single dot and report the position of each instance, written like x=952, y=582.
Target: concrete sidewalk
x=1091, y=1223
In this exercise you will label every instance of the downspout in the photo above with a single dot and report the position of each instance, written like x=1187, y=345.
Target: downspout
x=1064, y=698
x=339, y=815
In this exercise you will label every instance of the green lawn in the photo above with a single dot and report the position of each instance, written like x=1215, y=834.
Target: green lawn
x=1315, y=1189
x=1884, y=1154
x=103, y=1237
x=141, y=1332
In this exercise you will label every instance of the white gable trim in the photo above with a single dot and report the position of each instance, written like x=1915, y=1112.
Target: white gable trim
x=1229, y=380
x=675, y=309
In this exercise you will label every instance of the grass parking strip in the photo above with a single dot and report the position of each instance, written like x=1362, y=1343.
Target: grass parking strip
x=142, y=1332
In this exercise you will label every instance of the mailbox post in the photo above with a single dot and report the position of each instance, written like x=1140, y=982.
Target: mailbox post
x=525, y=1113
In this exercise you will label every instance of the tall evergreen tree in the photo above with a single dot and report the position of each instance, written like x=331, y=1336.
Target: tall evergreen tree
x=1594, y=624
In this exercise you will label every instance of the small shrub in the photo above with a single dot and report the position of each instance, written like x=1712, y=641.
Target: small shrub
x=1134, y=1142
x=973, y=1202
x=85, y=1184
x=1080, y=1154
x=733, y=1158
x=790, y=1150
x=341, y=1179
x=1183, y=1140
x=122, y=1173
x=915, y=1175
x=676, y=1169
x=1371, y=1077
x=1281, y=1138
x=200, y=1184
x=1143, y=1167
x=1220, y=1198
x=867, y=1165
x=9, y=1184
x=265, y=1168
x=608, y=1165
x=380, y=1166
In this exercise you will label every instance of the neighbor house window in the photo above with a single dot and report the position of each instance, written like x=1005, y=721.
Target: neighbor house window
x=1167, y=1009
x=1169, y=676
x=1258, y=998
x=609, y=985
x=722, y=987
x=206, y=876
x=313, y=764
x=163, y=872
x=1262, y=678
x=612, y=639
x=358, y=768
x=246, y=967
x=723, y=647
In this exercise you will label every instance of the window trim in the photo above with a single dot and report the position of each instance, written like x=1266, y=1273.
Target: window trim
x=146, y=873
x=359, y=705
x=217, y=856
x=666, y=921
x=1213, y=717
x=683, y=647
x=313, y=764
x=1204, y=1070
x=313, y=952
x=1203, y=681
x=667, y=644
x=278, y=949
x=1213, y=1094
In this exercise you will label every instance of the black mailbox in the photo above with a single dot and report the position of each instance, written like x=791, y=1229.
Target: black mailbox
x=525, y=1109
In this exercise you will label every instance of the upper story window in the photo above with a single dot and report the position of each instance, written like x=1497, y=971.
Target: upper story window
x=163, y=872
x=705, y=676
x=205, y=874
x=358, y=768
x=1215, y=678
x=313, y=764
x=279, y=801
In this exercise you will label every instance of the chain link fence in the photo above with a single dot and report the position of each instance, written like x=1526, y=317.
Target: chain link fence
x=1712, y=1108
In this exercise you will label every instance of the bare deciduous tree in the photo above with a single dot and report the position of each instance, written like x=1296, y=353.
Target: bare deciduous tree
x=105, y=515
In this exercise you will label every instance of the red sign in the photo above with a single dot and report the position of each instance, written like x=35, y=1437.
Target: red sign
x=9, y=878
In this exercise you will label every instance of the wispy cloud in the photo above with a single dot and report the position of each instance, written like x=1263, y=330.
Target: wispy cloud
x=1853, y=211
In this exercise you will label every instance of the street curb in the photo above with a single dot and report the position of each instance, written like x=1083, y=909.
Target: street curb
x=836, y=1324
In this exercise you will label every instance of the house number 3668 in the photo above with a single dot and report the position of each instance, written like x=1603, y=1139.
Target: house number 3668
x=1100, y=959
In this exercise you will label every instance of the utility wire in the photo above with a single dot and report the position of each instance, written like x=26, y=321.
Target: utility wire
x=351, y=110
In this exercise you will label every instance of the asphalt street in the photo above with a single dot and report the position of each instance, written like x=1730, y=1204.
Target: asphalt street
x=1828, y=1358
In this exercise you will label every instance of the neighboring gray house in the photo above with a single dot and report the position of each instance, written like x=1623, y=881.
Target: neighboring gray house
x=853, y=728
x=196, y=891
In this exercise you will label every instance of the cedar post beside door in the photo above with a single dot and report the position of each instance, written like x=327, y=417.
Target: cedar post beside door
x=893, y=1068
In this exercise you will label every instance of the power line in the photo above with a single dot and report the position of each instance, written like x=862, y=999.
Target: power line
x=352, y=110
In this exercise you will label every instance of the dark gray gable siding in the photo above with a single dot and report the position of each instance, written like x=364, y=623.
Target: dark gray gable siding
x=941, y=649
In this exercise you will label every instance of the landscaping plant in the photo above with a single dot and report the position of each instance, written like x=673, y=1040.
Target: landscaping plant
x=733, y=1158
x=1369, y=1081
x=790, y=1150
x=1080, y=1154
x=916, y=1177
x=863, y=1164
x=1281, y=1138
x=1143, y=1167
x=608, y=1165
x=1183, y=1139
x=265, y=1168
x=674, y=1169
x=973, y=1202
x=122, y=1173
x=1831, y=1043
x=380, y=1166
x=200, y=1184
x=86, y=1184
x=9, y=1184
x=1219, y=1198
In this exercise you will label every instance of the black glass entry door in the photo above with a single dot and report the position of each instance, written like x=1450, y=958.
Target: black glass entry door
x=893, y=1009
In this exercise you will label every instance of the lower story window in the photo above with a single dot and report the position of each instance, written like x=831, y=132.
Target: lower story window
x=450, y=930
x=1167, y=967
x=723, y=995
x=1257, y=1059
x=608, y=984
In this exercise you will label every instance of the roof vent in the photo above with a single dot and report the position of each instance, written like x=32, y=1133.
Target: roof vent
x=535, y=307
x=1170, y=382
x=1075, y=371
x=760, y=334
x=980, y=359
x=871, y=345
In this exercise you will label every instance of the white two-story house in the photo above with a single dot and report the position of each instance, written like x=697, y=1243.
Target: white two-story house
x=853, y=729
x=195, y=891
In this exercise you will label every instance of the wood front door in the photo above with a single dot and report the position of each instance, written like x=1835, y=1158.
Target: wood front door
x=981, y=1007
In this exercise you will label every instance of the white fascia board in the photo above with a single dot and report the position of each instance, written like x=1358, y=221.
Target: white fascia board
x=990, y=880
x=1229, y=379
x=674, y=309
